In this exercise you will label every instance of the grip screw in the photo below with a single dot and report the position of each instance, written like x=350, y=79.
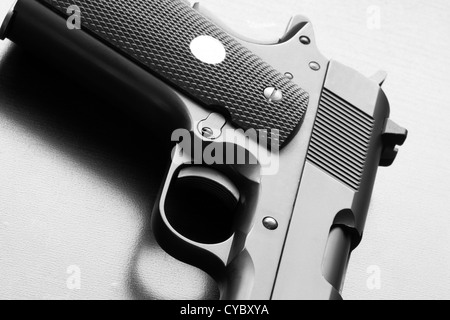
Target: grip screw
x=207, y=132
x=273, y=94
x=270, y=223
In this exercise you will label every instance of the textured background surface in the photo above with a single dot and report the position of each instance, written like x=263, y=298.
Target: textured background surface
x=75, y=192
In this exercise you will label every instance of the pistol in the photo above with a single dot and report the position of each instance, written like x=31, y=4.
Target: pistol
x=275, y=147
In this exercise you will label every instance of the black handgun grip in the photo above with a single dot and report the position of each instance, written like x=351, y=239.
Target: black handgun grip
x=157, y=35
